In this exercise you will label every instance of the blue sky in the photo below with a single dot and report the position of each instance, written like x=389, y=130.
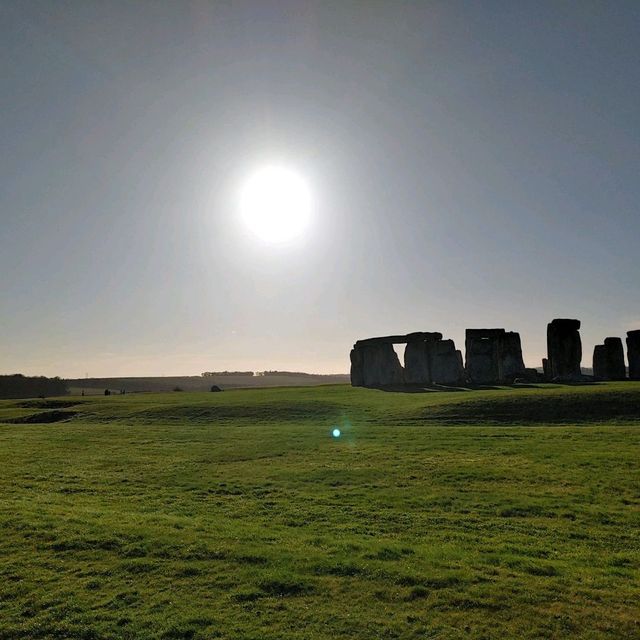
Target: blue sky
x=472, y=164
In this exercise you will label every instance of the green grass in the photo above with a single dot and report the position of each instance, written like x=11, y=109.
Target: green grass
x=509, y=513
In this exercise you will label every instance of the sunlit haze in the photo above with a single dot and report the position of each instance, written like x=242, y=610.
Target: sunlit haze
x=275, y=204
x=197, y=186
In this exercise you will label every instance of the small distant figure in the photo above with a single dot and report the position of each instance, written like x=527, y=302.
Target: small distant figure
x=82, y=393
x=215, y=388
x=122, y=392
x=107, y=392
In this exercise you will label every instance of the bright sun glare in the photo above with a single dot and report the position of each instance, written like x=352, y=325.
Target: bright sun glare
x=275, y=205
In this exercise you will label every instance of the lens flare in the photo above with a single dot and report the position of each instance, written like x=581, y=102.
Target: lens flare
x=336, y=433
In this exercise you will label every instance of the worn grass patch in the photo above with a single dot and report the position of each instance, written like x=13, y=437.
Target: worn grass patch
x=508, y=513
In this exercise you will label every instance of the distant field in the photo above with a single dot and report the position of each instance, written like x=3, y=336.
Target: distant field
x=96, y=386
x=508, y=513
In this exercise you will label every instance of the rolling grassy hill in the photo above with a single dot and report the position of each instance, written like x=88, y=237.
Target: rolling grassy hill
x=159, y=384
x=471, y=514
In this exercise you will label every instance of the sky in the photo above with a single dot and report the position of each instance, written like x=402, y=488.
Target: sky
x=470, y=165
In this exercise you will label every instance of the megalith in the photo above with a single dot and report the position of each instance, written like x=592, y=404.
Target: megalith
x=374, y=363
x=446, y=363
x=600, y=361
x=493, y=356
x=511, y=362
x=428, y=359
x=633, y=354
x=418, y=356
x=482, y=348
x=357, y=367
x=417, y=368
x=608, y=360
x=615, y=358
x=564, y=349
x=381, y=365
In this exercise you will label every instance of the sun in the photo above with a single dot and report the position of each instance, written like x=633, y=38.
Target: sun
x=275, y=205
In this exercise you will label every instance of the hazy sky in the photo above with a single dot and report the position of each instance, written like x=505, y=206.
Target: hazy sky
x=472, y=164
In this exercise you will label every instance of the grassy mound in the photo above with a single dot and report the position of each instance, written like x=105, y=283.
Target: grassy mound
x=529, y=405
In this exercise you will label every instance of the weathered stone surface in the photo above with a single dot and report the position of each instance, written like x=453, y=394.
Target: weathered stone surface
x=608, y=360
x=417, y=336
x=546, y=369
x=493, y=356
x=615, y=358
x=564, y=349
x=380, y=365
x=374, y=362
x=633, y=354
x=446, y=363
x=418, y=356
x=423, y=336
x=427, y=358
x=600, y=362
x=357, y=367
x=511, y=362
x=417, y=365
x=483, y=352
x=460, y=366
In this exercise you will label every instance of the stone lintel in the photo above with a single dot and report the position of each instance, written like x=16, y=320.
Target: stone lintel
x=418, y=336
x=567, y=324
x=484, y=333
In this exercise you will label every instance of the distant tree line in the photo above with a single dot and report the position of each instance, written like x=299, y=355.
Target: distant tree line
x=217, y=374
x=291, y=373
x=211, y=374
x=19, y=386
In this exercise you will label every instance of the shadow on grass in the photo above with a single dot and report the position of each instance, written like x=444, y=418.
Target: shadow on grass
x=417, y=388
x=431, y=388
x=46, y=417
x=533, y=409
x=421, y=388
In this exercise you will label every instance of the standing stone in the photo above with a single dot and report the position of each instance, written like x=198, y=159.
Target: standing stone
x=374, y=362
x=417, y=358
x=615, y=359
x=460, y=367
x=493, y=356
x=512, y=363
x=608, y=360
x=446, y=363
x=600, y=362
x=564, y=349
x=357, y=367
x=546, y=369
x=417, y=369
x=633, y=354
x=380, y=365
x=483, y=355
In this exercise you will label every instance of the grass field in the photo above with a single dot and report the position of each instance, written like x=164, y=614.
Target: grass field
x=509, y=513
x=96, y=386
